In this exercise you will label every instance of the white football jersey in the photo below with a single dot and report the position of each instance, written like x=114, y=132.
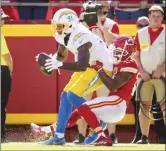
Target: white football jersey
x=80, y=36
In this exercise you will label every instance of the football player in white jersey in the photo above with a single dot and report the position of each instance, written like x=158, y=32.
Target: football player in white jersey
x=87, y=48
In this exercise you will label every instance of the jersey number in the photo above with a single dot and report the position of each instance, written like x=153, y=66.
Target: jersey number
x=70, y=18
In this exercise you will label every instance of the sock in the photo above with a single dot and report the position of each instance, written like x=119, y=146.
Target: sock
x=75, y=116
x=75, y=99
x=90, y=118
x=60, y=135
x=65, y=110
x=47, y=129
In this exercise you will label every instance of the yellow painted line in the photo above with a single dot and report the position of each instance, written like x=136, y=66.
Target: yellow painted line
x=51, y=118
x=22, y=30
x=30, y=118
x=26, y=30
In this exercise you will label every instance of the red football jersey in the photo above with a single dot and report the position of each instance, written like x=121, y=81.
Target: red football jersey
x=125, y=92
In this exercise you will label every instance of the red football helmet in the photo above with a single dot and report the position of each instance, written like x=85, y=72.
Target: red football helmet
x=123, y=48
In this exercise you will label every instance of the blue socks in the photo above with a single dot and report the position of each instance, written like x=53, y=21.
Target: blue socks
x=67, y=101
x=65, y=110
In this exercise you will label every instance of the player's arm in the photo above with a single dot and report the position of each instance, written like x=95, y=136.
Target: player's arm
x=82, y=57
x=114, y=84
x=62, y=53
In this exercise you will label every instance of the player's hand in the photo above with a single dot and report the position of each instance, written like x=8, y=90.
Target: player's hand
x=52, y=64
x=144, y=75
x=98, y=66
x=36, y=58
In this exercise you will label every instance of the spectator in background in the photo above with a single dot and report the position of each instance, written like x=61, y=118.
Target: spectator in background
x=128, y=13
x=158, y=1
x=159, y=124
x=151, y=44
x=32, y=12
x=112, y=11
x=6, y=70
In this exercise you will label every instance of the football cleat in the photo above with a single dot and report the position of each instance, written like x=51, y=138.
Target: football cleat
x=54, y=141
x=103, y=141
x=93, y=136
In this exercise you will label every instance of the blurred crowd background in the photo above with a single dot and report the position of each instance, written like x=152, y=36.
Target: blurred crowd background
x=120, y=10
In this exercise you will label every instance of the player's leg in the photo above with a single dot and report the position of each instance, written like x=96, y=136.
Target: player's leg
x=146, y=91
x=65, y=110
x=103, y=91
x=112, y=132
x=92, y=120
x=82, y=125
x=100, y=108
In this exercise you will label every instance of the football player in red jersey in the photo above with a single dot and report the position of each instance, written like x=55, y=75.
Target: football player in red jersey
x=112, y=109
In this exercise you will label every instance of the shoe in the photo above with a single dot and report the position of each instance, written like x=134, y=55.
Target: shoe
x=143, y=140
x=93, y=136
x=80, y=139
x=54, y=141
x=114, y=138
x=104, y=141
x=136, y=139
x=35, y=128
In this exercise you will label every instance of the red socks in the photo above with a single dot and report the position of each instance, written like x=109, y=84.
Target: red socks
x=75, y=116
x=90, y=118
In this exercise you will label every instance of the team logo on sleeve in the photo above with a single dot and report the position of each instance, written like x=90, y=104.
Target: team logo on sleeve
x=76, y=37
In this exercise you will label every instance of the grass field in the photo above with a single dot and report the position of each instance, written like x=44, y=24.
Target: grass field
x=69, y=146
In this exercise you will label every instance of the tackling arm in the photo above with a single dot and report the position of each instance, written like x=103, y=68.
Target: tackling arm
x=83, y=59
x=114, y=84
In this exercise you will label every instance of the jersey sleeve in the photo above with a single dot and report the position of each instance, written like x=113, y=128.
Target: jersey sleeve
x=115, y=29
x=129, y=67
x=4, y=47
x=80, y=39
x=137, y=43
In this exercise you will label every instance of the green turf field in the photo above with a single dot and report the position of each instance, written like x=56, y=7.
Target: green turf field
x=118, y=147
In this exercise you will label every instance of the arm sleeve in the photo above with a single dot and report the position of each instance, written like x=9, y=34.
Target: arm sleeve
x=137, y=42
x=115, y=29
x=129, y=67
x=4, y=47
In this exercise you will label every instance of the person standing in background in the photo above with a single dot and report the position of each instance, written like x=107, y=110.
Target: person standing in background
x=6, y=70
x=151, y=44
x=159, y=124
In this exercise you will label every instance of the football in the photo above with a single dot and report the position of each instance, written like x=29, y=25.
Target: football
x=41, y=60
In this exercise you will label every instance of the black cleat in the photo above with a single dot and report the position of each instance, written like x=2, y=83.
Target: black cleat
x=114, y=138
x=136, y=139
x=80, y=139
x=143, y=140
